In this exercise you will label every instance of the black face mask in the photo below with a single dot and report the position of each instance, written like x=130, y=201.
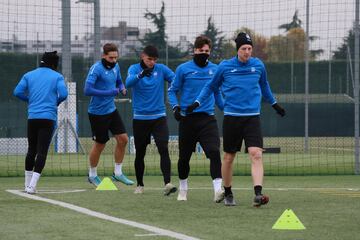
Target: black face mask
x=201, y=59
x=107, y=65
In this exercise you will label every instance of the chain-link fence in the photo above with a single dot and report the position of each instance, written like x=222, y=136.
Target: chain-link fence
x=310, y=49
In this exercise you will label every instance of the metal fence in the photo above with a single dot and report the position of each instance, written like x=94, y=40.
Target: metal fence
x=310, y=48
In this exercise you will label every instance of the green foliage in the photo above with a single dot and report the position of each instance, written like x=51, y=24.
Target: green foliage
x=228, y=49
x=159, y=38
x=216, y=38
x=290, y=47
x=347, y=46
x=294, y=42
x=295, y=23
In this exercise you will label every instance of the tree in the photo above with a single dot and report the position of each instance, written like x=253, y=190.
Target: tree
x=228, y=49
x=295, y=23
x=159, y=37
x=215, y=36
x=348, y=42
x=287, y=48
x=291, y=47
x=275, y=48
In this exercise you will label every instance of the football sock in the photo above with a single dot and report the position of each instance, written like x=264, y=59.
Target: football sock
x=34, y=179
x=28, y=176
x=118, y=169
x=183, y=184
x=217, y=184
x=257, y=190
x=227, y=191
x=92, y=172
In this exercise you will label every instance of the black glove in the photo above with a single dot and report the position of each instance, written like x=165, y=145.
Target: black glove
x=192, y=107
x=146, y=72
x=279, y=109
x=177, y=115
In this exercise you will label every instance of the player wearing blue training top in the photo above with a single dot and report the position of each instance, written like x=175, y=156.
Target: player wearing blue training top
x=243, y=82
x=199, y=126
x=103, y=83
x=43, y=89
x=147, y=80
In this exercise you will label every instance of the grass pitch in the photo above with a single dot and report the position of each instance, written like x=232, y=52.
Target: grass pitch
x=328, y=206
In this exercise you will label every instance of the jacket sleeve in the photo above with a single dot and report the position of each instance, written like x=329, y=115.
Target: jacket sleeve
x=119, y=83
x=169, y=74
x=132, y=77
x=62, y=90
x=90, y=90
x=219, y=100
x=21, y=89
x=265, y=87
x=175, y=87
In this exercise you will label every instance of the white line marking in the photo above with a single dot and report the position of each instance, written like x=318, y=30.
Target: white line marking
x=54, y=191
x=89, y=212
x=61, y=191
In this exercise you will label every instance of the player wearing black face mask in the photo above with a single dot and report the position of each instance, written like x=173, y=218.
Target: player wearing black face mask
x=103, y=84
x=201, y=125
x=201, y=59
x=107, y=64
x=243, y=81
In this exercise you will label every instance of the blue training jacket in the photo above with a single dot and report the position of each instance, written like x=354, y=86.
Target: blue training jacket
x=189, y=81
x=44, y=89
x=243, y=85
x=148, y=92
x=102, y=85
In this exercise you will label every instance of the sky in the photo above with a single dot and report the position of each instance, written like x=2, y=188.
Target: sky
x=329, y=19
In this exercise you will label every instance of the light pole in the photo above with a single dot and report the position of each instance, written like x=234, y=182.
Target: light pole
x=97, y=33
